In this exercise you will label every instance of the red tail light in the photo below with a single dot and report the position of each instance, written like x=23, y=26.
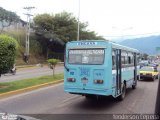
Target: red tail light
x=71, y=79
x=98, y=81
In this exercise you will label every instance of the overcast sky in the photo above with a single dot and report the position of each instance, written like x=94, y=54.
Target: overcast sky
x=109, y=18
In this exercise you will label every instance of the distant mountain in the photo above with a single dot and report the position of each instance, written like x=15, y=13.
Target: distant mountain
x=145, y=45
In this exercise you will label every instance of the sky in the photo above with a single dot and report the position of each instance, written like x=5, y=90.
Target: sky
x=112, y=19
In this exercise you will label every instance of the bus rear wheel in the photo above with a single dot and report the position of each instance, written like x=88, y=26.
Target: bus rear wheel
x=90, y=96
x=122, y=96
x=154, y=77
x=134, y=86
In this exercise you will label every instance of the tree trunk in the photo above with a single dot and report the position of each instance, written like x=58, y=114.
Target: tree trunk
x=53, y=70
x=47, y=53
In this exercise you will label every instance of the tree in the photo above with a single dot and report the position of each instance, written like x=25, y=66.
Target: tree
x=7, y=18
x=43, y=23
x=54, y=31
x=145, y=56
x=90, y=35
x=52, y=63
x=7, y=53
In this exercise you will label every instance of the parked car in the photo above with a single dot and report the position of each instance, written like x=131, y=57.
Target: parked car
x=153, y=65
x=144, y=63
x=148, y=72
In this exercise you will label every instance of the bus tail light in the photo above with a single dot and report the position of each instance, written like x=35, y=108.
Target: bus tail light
x=71, y=79
x=98, y=81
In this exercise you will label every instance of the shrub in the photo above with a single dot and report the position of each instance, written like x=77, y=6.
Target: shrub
x=8, y=47
x=52, y=63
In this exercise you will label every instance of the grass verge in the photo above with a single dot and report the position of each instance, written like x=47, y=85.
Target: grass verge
x=15, y=85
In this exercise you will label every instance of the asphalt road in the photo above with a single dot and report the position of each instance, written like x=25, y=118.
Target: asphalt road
x=53, y=100
x=30, y=73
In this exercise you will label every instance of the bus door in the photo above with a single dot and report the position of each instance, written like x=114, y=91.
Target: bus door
x=135, y=68
x=118, y=71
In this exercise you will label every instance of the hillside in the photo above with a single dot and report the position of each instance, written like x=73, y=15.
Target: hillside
x=145, y=45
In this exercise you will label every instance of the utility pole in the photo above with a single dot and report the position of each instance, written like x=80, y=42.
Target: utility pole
x=78, y=20
x=26, y=55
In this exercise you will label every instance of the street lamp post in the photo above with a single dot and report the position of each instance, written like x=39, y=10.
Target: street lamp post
x=78, y=20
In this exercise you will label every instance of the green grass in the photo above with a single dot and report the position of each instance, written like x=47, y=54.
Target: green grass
x=15, y=85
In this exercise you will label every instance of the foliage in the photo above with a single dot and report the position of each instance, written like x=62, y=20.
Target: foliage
x=53, y=31
x=52, y=63
x=8, y=47
x=62, y=27
x=90, y=35
x=35, y=54
x=20, y=36
x=7, y=18
x=44, y=22
x=145, y=56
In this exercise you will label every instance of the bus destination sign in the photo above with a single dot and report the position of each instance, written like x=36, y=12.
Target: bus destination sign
x=87, y=43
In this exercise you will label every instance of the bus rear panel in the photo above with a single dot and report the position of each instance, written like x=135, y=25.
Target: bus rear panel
x=90, y=69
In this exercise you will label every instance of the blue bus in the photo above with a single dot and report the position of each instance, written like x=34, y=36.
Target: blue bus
x=100, y=68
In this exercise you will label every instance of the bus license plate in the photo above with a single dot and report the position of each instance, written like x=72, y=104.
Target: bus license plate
x=84, y=81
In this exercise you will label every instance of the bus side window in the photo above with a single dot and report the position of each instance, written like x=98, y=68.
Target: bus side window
x=124, y=60
x=130, y=58
x=138, y=58
x=113, y=60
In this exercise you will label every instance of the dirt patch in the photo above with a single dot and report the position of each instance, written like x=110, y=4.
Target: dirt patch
x=4, y=86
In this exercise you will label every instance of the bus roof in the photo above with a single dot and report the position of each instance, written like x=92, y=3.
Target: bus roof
x=114, y=45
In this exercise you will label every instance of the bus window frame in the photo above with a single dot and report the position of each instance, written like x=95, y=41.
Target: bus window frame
x=113, y=59
x=131, y=55
x=86, y=49
x=124, y=55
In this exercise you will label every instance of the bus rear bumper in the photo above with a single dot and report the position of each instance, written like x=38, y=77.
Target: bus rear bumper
x=104, y=92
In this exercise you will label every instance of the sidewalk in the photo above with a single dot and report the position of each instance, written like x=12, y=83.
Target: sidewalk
x=19, y=67
x=31, y=72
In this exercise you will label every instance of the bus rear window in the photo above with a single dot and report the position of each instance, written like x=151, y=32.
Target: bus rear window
x=86, y=56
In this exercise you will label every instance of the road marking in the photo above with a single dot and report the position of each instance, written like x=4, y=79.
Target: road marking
x=68, y=101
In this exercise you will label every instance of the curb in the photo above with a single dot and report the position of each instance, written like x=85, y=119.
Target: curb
x=23, y=90
x=23, y=68
x=19, y=68
x=35, y=65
